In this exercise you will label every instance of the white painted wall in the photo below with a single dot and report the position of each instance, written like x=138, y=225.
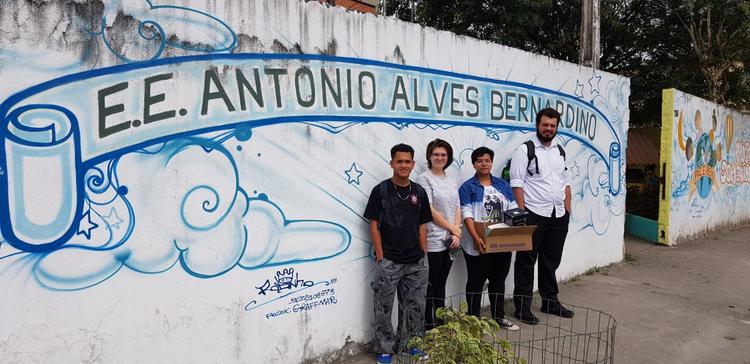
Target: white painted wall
x=710, y=175
x=156, y=244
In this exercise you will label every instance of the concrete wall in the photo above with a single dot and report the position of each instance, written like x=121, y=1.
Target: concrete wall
x=185, y=181
x=706, y=153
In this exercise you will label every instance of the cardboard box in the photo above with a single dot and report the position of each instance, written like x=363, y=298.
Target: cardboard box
x=505, y=239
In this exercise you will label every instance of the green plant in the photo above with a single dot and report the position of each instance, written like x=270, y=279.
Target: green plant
x=465, y=339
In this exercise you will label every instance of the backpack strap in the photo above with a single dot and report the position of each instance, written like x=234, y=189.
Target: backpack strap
x=531, y=155
x=562, y=153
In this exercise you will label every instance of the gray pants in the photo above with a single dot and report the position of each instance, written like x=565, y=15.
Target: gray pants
x=410, y=282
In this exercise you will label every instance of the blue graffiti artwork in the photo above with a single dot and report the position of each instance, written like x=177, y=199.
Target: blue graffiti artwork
x=287, y=282
x=182, y=162
x=216, y=226
x=157, y=25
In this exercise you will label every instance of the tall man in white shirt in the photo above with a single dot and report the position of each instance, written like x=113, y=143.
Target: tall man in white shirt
x=541, y=186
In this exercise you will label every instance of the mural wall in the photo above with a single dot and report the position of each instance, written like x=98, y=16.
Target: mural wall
x=188, y=178
x=706, y=153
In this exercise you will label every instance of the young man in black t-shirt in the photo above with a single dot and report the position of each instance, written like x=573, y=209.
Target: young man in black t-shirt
x=398, y=210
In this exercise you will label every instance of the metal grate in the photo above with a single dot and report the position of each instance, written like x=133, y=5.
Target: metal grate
x=588, y=337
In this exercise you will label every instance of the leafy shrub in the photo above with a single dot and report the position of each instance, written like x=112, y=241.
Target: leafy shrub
x=465, y=339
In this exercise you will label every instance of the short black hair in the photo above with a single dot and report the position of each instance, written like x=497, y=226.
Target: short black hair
x=548, y=112
x=402, y=148
x=480, y=152
x=439, y=143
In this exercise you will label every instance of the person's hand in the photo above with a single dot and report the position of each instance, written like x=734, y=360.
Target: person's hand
x=456, y=230
x=378, y=257
x=480, y=245
x=455, y=242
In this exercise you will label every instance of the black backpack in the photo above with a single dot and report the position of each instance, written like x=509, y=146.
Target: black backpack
x=531, y=154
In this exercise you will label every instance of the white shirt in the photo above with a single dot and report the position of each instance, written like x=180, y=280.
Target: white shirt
x=544, y=190
x=442, y=191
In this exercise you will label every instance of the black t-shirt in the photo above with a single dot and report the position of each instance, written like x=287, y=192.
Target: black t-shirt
x=400, y=213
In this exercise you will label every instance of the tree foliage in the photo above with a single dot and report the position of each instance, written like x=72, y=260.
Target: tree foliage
x=698, y=46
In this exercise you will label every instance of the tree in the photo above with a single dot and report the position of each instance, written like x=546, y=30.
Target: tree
x=698, y=46
x=719, y=35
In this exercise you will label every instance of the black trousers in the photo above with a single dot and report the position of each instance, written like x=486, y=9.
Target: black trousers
x=493, y=267
x=548, y=240
x=440, y=266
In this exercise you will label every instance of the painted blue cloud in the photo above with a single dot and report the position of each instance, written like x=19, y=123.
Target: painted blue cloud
x=595, y=192
x=613, y=101
x=189, y=210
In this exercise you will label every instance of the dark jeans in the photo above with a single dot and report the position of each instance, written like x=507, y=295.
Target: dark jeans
x=548, y=240
x=439, y=266
x=493, y=267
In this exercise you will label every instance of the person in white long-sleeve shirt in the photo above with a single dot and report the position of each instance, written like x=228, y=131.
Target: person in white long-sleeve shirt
x=542, y=187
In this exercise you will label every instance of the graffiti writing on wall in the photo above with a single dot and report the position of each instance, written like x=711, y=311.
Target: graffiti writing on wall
x=74, y=151
x=736, y=172
x=303, y=295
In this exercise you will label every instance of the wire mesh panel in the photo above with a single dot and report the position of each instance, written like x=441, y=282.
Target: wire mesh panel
x=587, y=337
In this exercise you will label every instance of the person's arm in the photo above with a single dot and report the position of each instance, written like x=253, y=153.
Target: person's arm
x=372, y=213
x=478, y=242
x=507, y=192
x=568, y=182
x=441, y=221
x=465, y=199
x=518, y=171
x=458, y=219
x=423, y=237
x=518, y=194
x=377, y=242
x=425, y=208
x=457, y=237
x=437, y=218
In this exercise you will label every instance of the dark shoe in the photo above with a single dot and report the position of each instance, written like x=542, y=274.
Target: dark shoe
x=526, y=317
x=555, y=308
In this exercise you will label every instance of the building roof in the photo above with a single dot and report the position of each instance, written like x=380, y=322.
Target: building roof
x=643, y=146
x=364, y=6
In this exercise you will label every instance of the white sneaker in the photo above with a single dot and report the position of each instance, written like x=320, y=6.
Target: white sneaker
x=507, y=324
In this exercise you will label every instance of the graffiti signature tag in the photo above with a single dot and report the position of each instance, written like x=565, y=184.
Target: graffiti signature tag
x=284, y=279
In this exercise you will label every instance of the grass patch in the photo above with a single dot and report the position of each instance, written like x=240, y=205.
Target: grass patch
x=629, y=258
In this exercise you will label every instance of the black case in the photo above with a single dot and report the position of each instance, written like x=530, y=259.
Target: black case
x=516, y=217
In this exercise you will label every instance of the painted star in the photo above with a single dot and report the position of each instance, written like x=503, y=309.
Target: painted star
x=353, y=174
x=594, y=82
x=86, y=225
x=579, y=90
x=112, y=219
